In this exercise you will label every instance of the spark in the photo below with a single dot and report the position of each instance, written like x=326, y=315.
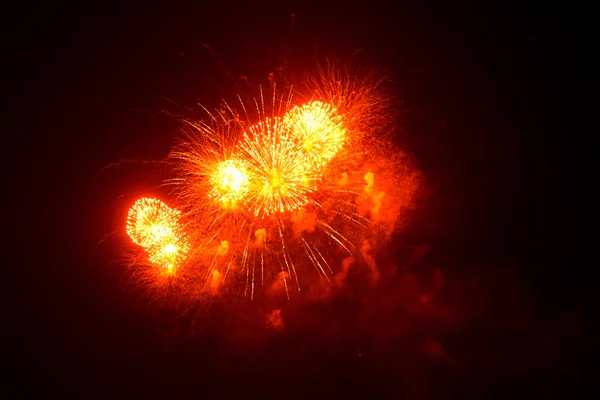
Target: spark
x=330, y=231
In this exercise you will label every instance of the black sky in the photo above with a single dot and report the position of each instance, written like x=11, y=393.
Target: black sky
x=484, y=95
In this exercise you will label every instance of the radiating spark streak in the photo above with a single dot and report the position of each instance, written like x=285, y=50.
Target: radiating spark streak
x=313, y=261
x=262, y=262
x=245, y=257
x=195, y=251
x=202, y=127
x=257, y=108
x=212, y=265
x=245, y=253
x=210, y=240
x=324, y=260
x=349, y=217
x=352, y=192
x=313, y=258
x=262, y=100
x=208, y=112
x=252, y=294
x=339, y=234
x=283, y=276
x=357, y=215
x=250, y=262
x=127, y=161
x=215, y=220
x=274, y=95
x=335, y=238
x=294, y=271
x=286, y=263
x=347, y=202
x=246, y=287
x=316, y=203
x=280, y=104
x=223, y=117
x=340, y=243
x=243, y=107
x=228, y=265
x=105, y=238
x=230, y=110
x=289, y=102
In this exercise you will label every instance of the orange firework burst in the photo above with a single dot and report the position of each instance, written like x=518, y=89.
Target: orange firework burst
x=281, y=178
x=318, y=127
x=264, y=194
x=229, y=182
x=155, y=226
x=360, y=97
x=208, y=174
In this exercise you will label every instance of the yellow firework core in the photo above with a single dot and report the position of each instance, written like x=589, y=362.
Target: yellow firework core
x=229, y=182
x=280, y=179
x=168, y=253
x=318, y=127
x=155, y=226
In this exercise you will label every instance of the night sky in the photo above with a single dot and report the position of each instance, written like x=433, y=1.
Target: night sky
x=482, y=95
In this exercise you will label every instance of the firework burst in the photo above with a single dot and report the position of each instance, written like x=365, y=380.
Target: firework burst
x=282, y=179
x=319, y=129
x=229, y=182
x=263, y=196
x=155, y=226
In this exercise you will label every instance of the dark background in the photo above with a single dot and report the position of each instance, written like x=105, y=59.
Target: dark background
x=485, y=98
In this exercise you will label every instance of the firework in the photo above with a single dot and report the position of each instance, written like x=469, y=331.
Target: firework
x=264, y=192
x=360, y=97
x=207, y=172
x=229, y=182
x=155, y=226
x=281, y=178
x=319, y=129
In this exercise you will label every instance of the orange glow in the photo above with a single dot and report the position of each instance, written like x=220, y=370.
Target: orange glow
x=216, y=281
x=276, y=319
x=223, y=248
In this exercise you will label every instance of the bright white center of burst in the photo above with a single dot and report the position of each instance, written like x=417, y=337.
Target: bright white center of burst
x=159, y=231
x=233, y=178
x=170, y=249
